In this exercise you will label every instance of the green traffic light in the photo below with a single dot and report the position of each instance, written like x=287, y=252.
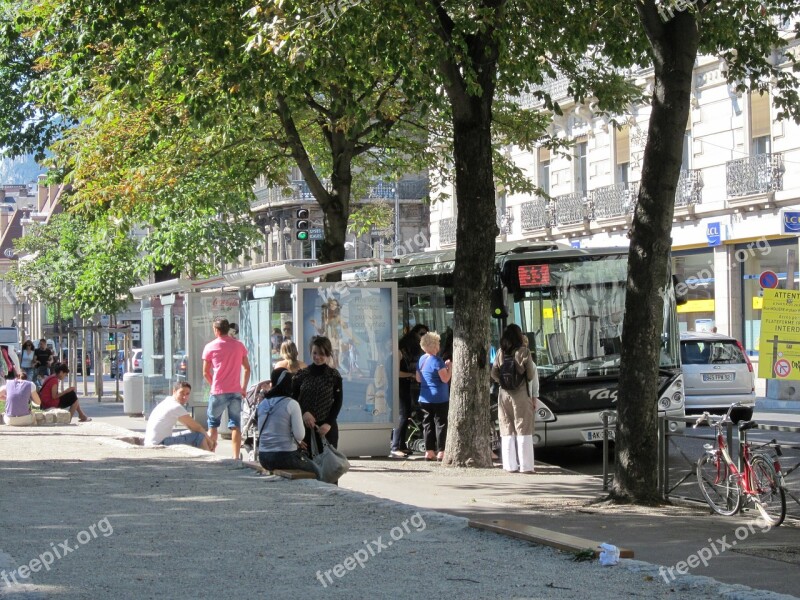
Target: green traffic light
x=302, y=235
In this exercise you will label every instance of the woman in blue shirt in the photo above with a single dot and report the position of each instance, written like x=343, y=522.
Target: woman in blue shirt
x=433, y=375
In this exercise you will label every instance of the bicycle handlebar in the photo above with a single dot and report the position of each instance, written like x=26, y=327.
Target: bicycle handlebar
x=720, y=419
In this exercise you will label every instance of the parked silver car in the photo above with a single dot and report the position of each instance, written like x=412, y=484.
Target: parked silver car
x=716, y=372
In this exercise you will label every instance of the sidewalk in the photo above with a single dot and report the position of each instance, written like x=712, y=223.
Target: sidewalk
x=109, y=520
x=179, y=515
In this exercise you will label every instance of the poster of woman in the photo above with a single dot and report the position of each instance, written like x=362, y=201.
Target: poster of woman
x=359, y=320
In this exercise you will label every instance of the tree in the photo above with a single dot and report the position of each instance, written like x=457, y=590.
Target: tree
x=183, y=69
x=746, y=34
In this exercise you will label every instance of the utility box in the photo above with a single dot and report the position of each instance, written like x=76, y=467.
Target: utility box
x=133, y=394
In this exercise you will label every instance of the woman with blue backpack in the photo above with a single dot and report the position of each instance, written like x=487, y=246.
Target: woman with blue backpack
x=514, y=369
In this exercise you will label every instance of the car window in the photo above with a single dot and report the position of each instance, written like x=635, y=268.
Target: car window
x=699, y=352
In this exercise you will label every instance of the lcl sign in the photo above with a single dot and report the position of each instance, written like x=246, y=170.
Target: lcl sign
x=790, y=221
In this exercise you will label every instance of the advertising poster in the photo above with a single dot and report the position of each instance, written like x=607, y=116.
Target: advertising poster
x=779, y=343
x=360, y=322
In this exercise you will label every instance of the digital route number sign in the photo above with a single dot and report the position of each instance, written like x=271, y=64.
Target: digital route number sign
x=531, y=276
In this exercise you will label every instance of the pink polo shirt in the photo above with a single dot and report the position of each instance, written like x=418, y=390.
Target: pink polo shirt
x=225, y=355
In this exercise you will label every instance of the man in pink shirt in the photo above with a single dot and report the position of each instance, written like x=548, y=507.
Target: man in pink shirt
x=223, y=360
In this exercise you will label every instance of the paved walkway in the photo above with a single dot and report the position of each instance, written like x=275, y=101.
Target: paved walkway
x=186, y=523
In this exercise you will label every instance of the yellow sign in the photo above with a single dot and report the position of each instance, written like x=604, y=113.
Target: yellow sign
x=758, y=302
x=693, y=306
x=779, y=343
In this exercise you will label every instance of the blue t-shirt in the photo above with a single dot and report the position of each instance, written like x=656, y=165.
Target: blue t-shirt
x=432, y=389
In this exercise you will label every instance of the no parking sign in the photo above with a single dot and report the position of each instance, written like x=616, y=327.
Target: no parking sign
x=768, y=280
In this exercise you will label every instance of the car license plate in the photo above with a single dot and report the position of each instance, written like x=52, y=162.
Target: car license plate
x=596, y=435
x=717, y=376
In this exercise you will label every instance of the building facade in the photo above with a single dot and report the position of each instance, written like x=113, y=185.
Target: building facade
x=737, y=206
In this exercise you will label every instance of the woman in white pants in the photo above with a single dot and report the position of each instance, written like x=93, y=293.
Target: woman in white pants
x=515, y=406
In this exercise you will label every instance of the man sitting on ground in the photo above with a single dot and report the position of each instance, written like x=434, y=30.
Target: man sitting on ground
x=67, y=399
x=171, y=410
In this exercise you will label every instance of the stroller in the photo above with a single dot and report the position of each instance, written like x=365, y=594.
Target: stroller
x=255, y=394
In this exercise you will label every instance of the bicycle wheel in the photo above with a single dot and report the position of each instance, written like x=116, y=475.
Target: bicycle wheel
x=720, y=489
x=767, y=490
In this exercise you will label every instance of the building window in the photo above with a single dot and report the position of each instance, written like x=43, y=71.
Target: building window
x=686, y=155
x=622, y=152
x=581, y=167
x=759, y=123
x=543, y=178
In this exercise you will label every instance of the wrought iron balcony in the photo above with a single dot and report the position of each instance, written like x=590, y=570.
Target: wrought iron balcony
x=447, y=231
x=382, y=190
x=412, y=189
x=536, y=214
x=755, y=175
x=569, y=209
x=505, y=220
x=614, y=201
x=689, y=189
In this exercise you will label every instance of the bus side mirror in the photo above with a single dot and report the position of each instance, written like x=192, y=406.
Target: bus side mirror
x=498, y=306
x=681, y=291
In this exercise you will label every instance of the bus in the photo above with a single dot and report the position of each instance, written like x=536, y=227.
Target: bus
x=570, y=304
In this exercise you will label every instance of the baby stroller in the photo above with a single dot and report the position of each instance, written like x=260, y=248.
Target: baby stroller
x=255, y=394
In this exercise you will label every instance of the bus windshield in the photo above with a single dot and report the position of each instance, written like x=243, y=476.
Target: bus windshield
x=572, y=312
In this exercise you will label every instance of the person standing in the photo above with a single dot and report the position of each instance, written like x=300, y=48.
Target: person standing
x=172, y=410
x=43, y=358
x=224, y=358
x=290, y=361
x=433, y=375
x=27, y=360
x=318, y=390
x=515, y=407
x=409, y=356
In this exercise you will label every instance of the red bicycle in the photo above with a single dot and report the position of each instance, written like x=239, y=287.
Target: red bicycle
x=760, y=483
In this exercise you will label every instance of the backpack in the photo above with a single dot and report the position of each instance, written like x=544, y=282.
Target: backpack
x=510, y=378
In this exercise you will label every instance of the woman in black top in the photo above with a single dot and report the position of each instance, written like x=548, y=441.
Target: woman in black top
x=409, y=357
x=318, y=389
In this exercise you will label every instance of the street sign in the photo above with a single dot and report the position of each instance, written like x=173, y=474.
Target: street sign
x=316, y=233
x=768, y=280
x=783, y=368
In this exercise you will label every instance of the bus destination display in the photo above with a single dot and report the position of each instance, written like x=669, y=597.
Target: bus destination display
x=533, y=275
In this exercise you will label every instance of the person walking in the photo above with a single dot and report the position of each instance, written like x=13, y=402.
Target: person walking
x=318, y=390
x=433, y=375
x=224, y=359
x=409, y=356
x=515, y=403
x=43, y=359
x=27, y=360
x=280, y=427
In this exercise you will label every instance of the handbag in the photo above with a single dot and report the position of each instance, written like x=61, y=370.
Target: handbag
x=332, y=464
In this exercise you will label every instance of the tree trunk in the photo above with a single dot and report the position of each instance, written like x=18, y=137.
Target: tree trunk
x=675, y=47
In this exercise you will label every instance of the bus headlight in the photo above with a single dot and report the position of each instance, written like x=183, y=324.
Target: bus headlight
x=664, y=403
x=543, y=414
x=677, y=398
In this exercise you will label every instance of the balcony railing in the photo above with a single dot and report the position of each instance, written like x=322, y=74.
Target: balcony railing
x=412, y=189
x=569, y=209
x=535, y=214
x=382, y=190
x=447, y=231
x=504, y=219
x=614, y=201
x=755, y=175
x=689, y=189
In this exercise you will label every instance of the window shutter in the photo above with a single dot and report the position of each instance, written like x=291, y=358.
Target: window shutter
x=623, y=145
x=544, y=154
x=759, y=115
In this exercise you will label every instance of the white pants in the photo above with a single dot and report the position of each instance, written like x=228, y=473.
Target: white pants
x=517, y=451
x=20, y=421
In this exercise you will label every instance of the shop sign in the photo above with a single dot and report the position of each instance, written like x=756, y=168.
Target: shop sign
x=790, y=222
x=779, y=342
x=714, y=233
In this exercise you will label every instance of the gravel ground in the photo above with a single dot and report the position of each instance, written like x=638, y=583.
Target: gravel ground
x=175, y=523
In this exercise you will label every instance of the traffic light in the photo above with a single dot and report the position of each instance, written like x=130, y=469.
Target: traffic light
x=301, y=225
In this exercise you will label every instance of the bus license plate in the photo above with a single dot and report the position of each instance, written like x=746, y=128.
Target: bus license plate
x=717, y=376
x=596, y=435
